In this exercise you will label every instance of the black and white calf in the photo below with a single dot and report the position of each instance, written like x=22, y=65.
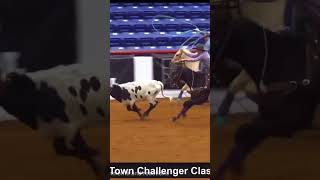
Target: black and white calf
x=131, y=92
x=58, y=103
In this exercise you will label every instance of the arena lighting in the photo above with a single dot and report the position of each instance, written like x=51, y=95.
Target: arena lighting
x=146, y=33
x=162, y=32
x=165, y=7
x=178, y=32
x=152, y=47
x=125, y=20
x=131, y=33
x=140, y=20
x=150, y=7
x=181, y=6
x=120, y=7
x=136, y=47
x=134, y=7
x=172, y=19
x=169, y=47
x=187, y=19
x=156, y=19
x=115, y=34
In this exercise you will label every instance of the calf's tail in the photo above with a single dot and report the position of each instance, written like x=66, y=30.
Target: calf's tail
x=170, y=98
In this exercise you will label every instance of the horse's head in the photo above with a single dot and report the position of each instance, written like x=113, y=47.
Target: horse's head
x=178, y=56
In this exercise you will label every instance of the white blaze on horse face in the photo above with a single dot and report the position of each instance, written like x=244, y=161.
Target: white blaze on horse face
x=177, y=56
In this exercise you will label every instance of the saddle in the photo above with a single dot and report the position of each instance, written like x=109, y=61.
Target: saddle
x=312, y=63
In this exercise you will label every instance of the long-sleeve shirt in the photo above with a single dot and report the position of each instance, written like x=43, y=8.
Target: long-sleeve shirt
x=203, y=57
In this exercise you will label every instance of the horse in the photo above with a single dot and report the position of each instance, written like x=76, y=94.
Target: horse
x=194, y=66
x=197, y=82
x=288, y=85
x=243, y=82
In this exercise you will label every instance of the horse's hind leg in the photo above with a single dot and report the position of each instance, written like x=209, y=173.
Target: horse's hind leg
x=193, y=101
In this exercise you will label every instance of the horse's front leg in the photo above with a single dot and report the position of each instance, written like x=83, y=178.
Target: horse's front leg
x=186, y=106
x=184, y=88
x=226, y=104
x=246, y=140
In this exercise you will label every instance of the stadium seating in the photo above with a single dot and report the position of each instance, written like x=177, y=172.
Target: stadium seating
x=146, y=26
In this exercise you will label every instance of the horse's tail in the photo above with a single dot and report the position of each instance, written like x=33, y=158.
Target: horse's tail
x=162, y=88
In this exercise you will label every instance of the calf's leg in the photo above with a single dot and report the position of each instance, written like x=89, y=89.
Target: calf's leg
x=152, y=105
x=82, y=151
x=134, y=108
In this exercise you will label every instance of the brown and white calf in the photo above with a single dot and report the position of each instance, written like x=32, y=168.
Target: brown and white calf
x=131, y=92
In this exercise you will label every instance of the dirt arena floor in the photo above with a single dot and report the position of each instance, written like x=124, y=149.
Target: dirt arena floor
x=276, y=159
x=25, y=155
x=158, y=139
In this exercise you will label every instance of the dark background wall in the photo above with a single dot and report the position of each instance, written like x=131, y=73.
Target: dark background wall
x=43, y=31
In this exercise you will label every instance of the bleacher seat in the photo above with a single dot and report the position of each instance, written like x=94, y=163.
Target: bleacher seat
x=203, y=26
x=186, y=27
x=146, y=41
x=149, y=14
x=159, y=4
x=130, y=42
x=181, y=14
x=141, y=28
x=171, y=27
x=125, y=28
x=196, y=14
x=162, y=41
x=131, y=25
x=114, y=42
x=113, y=28
x=133, y=15
x=117, y=15
x=177, y=41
